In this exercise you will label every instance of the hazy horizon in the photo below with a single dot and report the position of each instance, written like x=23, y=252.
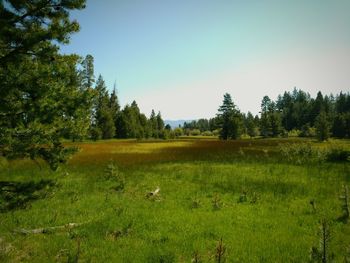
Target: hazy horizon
x=180, y=57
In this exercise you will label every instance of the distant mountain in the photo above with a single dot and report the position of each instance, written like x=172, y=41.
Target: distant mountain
x=175, y=123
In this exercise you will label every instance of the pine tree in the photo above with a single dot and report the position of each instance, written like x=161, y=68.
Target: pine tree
x=114, y=104
x=40, y=99
x=160, y=125
x=103, y=113
x=229, y=119
x=153, y=123
x=87, y=73
x=322, y=126
x=251, y=127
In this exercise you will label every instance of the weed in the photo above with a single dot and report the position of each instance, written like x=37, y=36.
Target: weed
x=313, y=205
x=74, y=257
x=217, y=203
x=322, y=254
x=337, y=154
x=345, y=203
x=243, y=197
x=196, y=203
x=255, y=198
x=220, y=252
x=196, y=257
x=113, y=173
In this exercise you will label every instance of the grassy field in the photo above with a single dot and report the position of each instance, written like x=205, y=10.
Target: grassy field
x=263, y=205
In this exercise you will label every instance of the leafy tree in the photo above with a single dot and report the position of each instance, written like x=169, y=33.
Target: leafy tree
x=178, y=131
x=40, y=99
x=229, y=119
x=322, y=126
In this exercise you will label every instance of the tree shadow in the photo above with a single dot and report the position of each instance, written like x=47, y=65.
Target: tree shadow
x=19, y=195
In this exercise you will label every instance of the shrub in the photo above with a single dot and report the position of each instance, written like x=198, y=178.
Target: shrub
x=195, y=132
x=207, y=133
x=337, y=154
x=293, y=133
x=95, y=133
x=178, y=131
x=300, y=153
x=307, y=131
x=112, y=173
x=216, y=132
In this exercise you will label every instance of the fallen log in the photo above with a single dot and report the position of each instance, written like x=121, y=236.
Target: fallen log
x=45, y=230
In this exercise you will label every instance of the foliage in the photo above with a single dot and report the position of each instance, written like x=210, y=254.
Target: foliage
x=114, y=174
x=40, y=96
x=195, y=132
x=335, y=153
x=322, y=254
x=345, y=203
x=301, y=153
x=251, y=125
x=229, y=119
x=322, y=126
x=95, y=133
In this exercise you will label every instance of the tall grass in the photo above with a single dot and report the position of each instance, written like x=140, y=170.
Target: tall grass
x=242, y=192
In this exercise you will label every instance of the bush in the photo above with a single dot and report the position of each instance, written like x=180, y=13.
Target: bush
x=307, y=131
x=95, y=133
x=195, y=132
x=207, y=133
x=216, y=132
x=337, y=154
x=293, y=133
x=178, y=132
x=300, y=153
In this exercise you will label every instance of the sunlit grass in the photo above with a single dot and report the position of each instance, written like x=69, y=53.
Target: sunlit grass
x=201, y=187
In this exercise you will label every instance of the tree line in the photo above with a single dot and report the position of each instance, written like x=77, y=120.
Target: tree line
x=293, y=113
x=107, y=119
x=46, y=96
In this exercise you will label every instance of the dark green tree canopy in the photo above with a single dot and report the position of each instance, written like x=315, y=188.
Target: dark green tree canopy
x=229, y=119
x=40, y=95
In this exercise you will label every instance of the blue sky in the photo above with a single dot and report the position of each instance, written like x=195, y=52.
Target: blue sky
x=180, y=57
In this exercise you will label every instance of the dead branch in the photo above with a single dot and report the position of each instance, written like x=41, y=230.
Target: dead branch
x=154, y=193
x=47, y=229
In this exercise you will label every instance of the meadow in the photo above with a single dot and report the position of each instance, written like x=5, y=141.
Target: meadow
x=261, y=200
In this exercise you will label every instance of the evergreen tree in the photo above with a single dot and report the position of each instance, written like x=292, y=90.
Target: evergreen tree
x=229, y=119
x=40, y=99
x=265, y=125
x=103, y=113
x=252, y=129
x=153, y=123
x=87, y=73
x=160, y=125
x=322, y=126
x=341, y=128
x=114, y=104
x=131, y=123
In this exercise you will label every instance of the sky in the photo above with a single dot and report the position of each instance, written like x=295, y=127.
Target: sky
x=179, y=57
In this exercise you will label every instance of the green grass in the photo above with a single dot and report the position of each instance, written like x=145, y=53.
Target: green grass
x=274, y=223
